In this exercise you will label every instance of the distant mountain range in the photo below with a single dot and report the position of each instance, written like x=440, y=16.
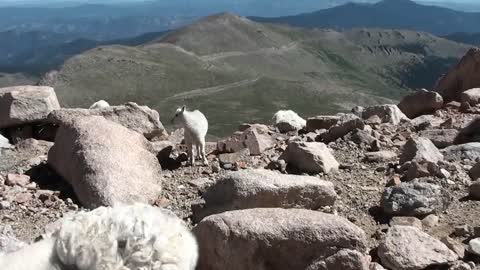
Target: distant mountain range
x=38, y=52
x=467, y=38
x=389, y=14
x=236, y=70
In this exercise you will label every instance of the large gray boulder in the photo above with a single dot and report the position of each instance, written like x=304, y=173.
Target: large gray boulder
x=413, y=199
x=310, y=157
x=459, y=152
x=26, y=104
x=105, y=162
x=287, y=120
x=137, y=118
x=264, y=189
x=408, y=248
x=419, y=150
x=420, y=102
x=388, y=113
x=280, y=239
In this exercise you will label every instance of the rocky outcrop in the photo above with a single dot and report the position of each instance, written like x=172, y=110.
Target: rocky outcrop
x=282, y=239
x=408, y=248
x=386, y=113
x=288, y=120
x=137, y=118
x=26, y=104
x=420, y=102
x=461, y=77
x=419, y=150
x=310, y=157
x=105, y=162
x=264, y=189
x=413, y=199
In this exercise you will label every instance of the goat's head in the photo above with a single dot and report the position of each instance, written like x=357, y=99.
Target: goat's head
x=177, y=119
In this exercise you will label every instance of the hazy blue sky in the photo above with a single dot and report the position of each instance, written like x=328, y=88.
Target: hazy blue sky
x=15, y=1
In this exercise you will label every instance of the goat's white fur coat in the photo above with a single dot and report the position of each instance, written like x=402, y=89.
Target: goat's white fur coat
x=195, y=126
x=136, y=237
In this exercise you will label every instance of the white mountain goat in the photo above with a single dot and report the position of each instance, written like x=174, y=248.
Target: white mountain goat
x=99, y=105
x=134, y=237
x=195, y=126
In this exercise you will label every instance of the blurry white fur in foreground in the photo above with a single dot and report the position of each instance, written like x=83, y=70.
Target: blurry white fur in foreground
x=135, y=237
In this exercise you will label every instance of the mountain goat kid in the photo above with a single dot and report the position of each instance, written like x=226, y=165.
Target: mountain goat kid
x=195, y=126
x=99, y=105
x=123, y=237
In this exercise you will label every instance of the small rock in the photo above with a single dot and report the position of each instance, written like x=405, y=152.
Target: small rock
x=321, y=122
x=430, y=221
x=17, y=179
x=420, y=102
x=380, y=156
x=475, y=172
x=471, y=96
x=232, y=158
x=469, y=151
x=408, y=248
x=474, y=246
x=474, y=190
x=4, y=143
x=420, y=149
x=386, y=113
x=5, y=205
x=406, y=221
x=463, y=230
x=26, y=104
x=394, y=181
x=455, y=246
x=215, y=167
x=461, y=266
x=23, y=198
x=413, y=199
x=441, y=138
x=376, y=266
x=201, y=183
x=288, y=120
x=311, y=157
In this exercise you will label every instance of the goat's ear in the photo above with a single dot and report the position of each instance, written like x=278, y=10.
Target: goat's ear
x=183, y=108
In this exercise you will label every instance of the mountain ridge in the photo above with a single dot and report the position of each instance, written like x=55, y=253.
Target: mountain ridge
x=254, y=69
x=398, y=14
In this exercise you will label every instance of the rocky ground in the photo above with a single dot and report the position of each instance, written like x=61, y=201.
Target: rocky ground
x=386, y=186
